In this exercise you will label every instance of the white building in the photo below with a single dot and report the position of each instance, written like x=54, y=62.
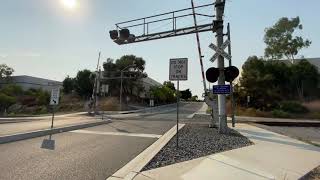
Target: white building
x=147, y=83
x=313, y=61
x=30, y=82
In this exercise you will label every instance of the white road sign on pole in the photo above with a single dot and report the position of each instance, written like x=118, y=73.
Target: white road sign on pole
x=105, y=88
x=220, y=51
x=178, y=69
x=55, y=95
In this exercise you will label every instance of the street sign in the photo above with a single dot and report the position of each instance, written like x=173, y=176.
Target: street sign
x=55, y=94
x=151, y=102
x=178, y=69
x=221, y=89
x=220, y=51
x=104, y=88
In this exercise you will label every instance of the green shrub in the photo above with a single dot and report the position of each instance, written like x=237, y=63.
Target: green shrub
x=6, y=101
x=28, y=100
x=42, y=110
x=315, y=115
x=293, y=107
x=12, y=90
x=43, y=98
x=280, y=114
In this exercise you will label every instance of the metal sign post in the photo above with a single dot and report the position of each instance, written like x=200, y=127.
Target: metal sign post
x=178, y=100
x=52, y=117
x=178, y=71
x=54, y=101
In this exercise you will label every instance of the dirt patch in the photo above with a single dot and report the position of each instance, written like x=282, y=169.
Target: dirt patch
x=313, y=175
x=313, y=106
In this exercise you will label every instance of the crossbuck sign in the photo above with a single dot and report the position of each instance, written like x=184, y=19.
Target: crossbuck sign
x=178, y=69
x=220, y=51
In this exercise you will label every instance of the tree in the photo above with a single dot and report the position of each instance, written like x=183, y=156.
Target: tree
x=270, y=82
x=186, y=94
x=84, y=83
x=170, y=85
x=305, y=79
x=131, y=76
x=12, y=90
x=68, y=84
x=259, y=81
x=6, y=101
x=194, y=98
x=280, y=39
x=162, y=94
x=5, y=71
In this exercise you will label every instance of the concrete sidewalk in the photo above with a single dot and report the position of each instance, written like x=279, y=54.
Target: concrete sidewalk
x=273, y=156
x=245, y=119
x=23, y=127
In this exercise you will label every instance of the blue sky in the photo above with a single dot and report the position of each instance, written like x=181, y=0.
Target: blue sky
x=44, y=39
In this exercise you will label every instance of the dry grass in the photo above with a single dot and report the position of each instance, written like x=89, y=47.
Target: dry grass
x=251, y=112
x=109, y=104
x=70, y=103
x=313, y=106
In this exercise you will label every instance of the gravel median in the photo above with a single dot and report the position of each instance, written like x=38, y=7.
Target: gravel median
x=313, y=175
x=196, y=140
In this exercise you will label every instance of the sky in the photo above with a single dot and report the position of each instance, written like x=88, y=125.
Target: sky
x=45, y=38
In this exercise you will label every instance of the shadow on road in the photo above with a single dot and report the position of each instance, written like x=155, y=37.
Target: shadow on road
x=48, y=143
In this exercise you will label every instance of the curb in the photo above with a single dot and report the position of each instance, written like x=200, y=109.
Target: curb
x=280, y=123
x=133, y=168
x=39, y=133
x=4, y=120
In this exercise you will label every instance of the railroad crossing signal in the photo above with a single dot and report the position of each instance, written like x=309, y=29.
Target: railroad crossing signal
x=230, y=73
x=220, y=51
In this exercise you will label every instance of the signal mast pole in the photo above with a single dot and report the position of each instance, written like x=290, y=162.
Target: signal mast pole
x=223, y=127
x=231, y=83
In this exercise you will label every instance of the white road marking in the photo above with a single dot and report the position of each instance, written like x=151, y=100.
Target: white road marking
x=118, y=134
x=191, y=116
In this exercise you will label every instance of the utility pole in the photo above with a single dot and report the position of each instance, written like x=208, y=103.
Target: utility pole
x=223, y=127
x=121, y=90
x=121, y=81
x=231, y=83
x=95, y=87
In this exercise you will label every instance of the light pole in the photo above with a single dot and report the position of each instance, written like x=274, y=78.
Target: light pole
x=133, y=65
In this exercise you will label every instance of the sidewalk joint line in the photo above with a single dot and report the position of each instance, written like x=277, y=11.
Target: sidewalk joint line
x=242, y=169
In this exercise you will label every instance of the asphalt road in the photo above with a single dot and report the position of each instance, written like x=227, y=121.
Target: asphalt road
x=186, y=109
x=91, y=153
